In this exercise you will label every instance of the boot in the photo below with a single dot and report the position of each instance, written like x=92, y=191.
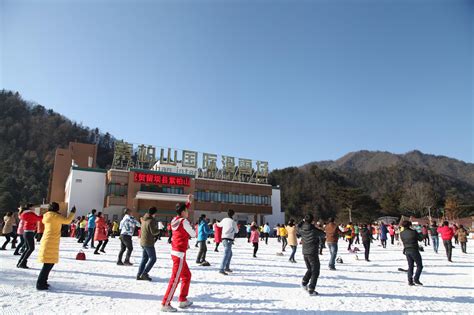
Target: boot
x=145, y=276
x=127, y=260
x=42, y=287
x=23, y=265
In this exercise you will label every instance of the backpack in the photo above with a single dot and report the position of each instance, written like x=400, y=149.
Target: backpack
x=81, y=255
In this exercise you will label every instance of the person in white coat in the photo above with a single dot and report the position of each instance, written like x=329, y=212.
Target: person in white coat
x=127, y=228
x=229, y=229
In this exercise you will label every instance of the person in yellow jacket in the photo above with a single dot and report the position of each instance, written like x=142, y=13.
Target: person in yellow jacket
x=82, y=229
x=49, y=250
x=349, y=231
x=292, y=239
x=284, y=237
x=115, y=229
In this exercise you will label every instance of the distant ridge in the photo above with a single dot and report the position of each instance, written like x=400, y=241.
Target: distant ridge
x=370, y=161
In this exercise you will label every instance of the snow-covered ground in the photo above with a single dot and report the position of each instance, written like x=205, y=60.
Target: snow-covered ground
x=267, y=284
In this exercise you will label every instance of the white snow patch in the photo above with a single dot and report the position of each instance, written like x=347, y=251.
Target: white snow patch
x=268, y=284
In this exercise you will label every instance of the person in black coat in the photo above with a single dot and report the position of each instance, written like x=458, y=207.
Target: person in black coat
x=366, y=235
x=411, y=250
x=310, y=236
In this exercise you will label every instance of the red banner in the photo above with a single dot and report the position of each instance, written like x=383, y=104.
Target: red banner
x=162, y=179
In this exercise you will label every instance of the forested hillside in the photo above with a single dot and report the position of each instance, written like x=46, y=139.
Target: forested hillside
x=382, y=183
x=29, y=136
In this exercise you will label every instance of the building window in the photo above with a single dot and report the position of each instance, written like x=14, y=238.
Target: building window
x=117, y=190
x=161, y=189
x=224, y=197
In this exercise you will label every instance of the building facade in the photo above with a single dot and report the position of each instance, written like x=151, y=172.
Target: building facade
x=163, y=184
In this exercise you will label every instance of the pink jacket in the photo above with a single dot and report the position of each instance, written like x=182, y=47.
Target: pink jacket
x=20, y=229
x=254, y=236
x=391, y=230
x=217, y=233
x=100, y=229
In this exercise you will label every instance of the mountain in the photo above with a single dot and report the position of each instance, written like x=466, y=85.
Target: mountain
x=370, y=161
x=407, y=183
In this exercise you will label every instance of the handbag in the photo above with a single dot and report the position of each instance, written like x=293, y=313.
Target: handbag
x=81, y=255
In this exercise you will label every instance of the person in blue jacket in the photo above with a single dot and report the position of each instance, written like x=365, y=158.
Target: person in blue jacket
x=203, y=232
x=383, y=234
x=90, y=229
x=266, y=232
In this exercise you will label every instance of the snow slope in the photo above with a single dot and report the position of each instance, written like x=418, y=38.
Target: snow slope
x=268, y=284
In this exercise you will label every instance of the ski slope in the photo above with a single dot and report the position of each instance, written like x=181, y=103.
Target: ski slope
x=268, y=284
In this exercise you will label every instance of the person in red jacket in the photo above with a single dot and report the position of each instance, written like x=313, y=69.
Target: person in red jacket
x=30, y=222
x=217, y=235
x=100, y=234
x=446, y=235
x=182, y=232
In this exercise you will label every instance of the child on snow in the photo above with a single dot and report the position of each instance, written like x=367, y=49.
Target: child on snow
x=283, y=237
x=254, y=239
x=217, y=235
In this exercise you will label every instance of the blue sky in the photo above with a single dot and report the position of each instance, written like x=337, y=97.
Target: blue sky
x=285, y=81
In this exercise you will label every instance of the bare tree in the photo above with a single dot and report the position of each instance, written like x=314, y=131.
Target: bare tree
x=417, y=198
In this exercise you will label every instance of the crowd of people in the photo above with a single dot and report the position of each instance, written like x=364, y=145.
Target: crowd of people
x=313, y=235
